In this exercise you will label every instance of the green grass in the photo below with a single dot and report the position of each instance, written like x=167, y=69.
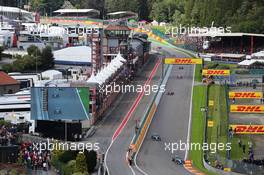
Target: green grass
x=198, y=74
x=198, y=125
x=236, y=151
x=218, y=114
x=84, y=94
x=218, y=134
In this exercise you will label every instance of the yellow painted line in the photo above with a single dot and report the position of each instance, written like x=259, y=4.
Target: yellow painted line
x=146, y=124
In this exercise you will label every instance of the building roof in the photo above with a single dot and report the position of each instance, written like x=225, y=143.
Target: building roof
x=117, y=27
x=122, y=13
x=77, y=55
x=6, y=79
x=258, y=54
x=12, y=9
x=76, y=11
x=250, y=62
x=231, y=55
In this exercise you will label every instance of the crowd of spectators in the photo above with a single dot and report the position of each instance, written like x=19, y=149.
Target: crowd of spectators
x=217, y=47
x=35, y=159
x=8, y=135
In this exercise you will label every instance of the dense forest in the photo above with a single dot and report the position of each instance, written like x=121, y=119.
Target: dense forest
x=241, y=15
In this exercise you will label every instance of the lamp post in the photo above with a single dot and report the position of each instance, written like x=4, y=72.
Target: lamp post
x=65, y=130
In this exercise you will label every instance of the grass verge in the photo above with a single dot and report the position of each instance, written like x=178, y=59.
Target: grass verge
x=198, y=74
x=198, y=124
x=218, y=114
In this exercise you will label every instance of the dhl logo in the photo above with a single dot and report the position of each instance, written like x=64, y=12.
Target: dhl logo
x=248, y=129
x=256, y=95
x=183, y=61
x=247, y=108
x=216, y=72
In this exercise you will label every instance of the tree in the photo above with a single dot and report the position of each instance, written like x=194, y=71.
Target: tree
x=46, y=6
x=7, y=68
x=81, y=165
x=33, y=50
x=91, y=159
x=70, y=166
x=47, y=59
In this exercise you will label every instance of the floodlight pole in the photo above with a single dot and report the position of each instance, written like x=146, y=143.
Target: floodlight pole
x=65, y=129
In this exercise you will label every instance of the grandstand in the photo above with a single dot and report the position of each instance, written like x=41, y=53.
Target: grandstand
x=77, y=13
x=16, y=14
x=235, y=43
x=121, y=16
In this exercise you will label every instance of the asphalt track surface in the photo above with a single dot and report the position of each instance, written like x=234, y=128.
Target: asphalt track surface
x=67, y=101
x=113, y=141
x=116, y=155
x=116, y=114
x=171, y=123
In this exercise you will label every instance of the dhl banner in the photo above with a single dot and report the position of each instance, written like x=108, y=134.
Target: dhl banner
x=183, y=61
x=248, y=129
x=256, y=95
x=247, y=108
x=216, y=72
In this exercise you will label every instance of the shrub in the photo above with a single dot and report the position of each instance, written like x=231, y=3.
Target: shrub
x=67, y=156
x=81, y=165
x=91, y=159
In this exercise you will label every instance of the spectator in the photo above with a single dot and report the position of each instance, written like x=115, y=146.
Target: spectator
x=230, y=132
x=244, y=148
x=233, y=100
x=239, y=143
x=34, y=158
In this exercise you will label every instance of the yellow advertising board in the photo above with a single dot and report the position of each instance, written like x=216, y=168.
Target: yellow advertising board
x=211, y=103
x=227, y=169
x=210, y=123
x=247, y=108
x=183, y=61
x=214, y=72
x=255, y=95
x=247, y=129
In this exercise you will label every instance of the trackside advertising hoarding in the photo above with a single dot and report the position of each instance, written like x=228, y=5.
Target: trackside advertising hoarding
x=214, y=72
x=248, y=129
x=183, y=61
x=247, y=108
x=253, y=95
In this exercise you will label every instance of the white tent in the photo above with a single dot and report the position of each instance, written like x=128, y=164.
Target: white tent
x=107, y=71
x=51, y=75
x=93, y=79
x=155, y=23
